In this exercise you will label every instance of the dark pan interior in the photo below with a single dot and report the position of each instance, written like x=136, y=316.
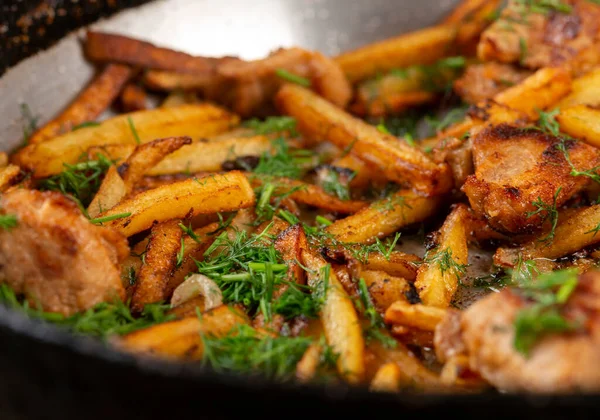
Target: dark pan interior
x=47, y=373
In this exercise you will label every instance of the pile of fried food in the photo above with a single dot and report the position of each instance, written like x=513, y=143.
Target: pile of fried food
x=252, y=220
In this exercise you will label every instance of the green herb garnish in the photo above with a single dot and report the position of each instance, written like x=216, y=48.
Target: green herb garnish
x=8, y=221
x=446, y=263
x=136, y=137
x=100, y=220
x=292, y=78
x=272, y=125
x=376, y=324
x=547, y=212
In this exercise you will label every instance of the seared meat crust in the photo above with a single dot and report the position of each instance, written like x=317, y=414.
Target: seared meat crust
x=515, y=167
x=56, y=257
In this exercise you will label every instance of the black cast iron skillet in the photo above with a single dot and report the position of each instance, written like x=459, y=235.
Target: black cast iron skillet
x=48, y=373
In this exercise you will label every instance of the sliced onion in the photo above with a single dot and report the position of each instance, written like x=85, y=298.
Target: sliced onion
x=198, y=285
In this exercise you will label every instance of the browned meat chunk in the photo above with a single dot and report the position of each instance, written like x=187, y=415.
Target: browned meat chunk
x=248, y=87
x=534, y=39
x=566, y=362
x=56, y=257
x=516, y=167
x=483, y=81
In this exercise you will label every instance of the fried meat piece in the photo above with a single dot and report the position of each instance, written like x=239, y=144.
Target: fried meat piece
x=56, y=257
x=519, y=171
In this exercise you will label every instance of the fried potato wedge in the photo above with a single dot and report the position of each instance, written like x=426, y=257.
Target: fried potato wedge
x=134, y=98
x=88, y=105
x=111, y=192
x=364, y=174
x=338, y=315
x=306, y=368
x=398, y=264
x=581, y=122
x=384, y=217
x=213, y=194
x=47, y=158
x=574, y=232
x=181, y=339
x=105, y=47
x=210, y=155
x=420, y=47
x=400, y=162
x=384, y=289
x=585, y=90
x=159, y=263
x=388, y=378
x=146, y=156
x=418, y=316
x=9, y=176
x=437, y=278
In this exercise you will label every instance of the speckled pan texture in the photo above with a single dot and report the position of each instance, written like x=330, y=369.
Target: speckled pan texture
x=47, y=373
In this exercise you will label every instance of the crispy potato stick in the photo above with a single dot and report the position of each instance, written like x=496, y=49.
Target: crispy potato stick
x=88, y=105
x=338, y=315
x=416, y=316
x=365, y=174
x=290, y=244
x=9, y=176
x=384, y=217
x=134, y=98
x=196, y=121
x=541, y=90
x=213, y=194
x=106, y=47
x=312, y=195
x=437, y=278
x=398, y=264
x=585, y=91
x=170, y=81
x=181, y=339
x=409, y=365
x=400, y=162
x=581, y=122
x=306, y=368
x=111, y=192
x=146, y=156
x=209, y=156
x=384, y=289
x=388, y=378
x=160, y=262
x=193, y=250
x=577, y=231
x=420, y=47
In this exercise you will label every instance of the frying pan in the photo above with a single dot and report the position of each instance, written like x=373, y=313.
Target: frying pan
x=48, y=373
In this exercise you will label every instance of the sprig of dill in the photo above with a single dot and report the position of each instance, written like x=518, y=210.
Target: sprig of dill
x=272, y=125
x=547, y=212
x=8, y=221
x=376, y=324
x=442, y=257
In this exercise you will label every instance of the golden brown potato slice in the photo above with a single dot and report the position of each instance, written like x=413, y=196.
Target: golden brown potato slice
x=212, y=194
x=388, y=378
x=111, y=192
x=420, y=47
x=181, y=339
x=365, y=175
x=581, y=122
x=338, y=315
x=105, y=47
x=9, y=176
x=384, y=217
x=306, y=369
x=159, y=263
x=89, y=104
x=400, y=162
x=384, y=289
x=585, y=91
x=576, y=231
x=196, y=121
x=134, y=98
x=516, y=168
x=416, y=315
x=437, y=278
x=398, y=264
x=290, y=244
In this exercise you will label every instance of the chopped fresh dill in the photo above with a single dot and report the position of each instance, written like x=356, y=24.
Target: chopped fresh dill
x=270, y=196
x=376, y=324
x=136, y=137
x=323, y=221
x=522, y=51
x=591, y=173
x=336, y=182
x=544, y=7
x=452, y=116
x=284, y=162
x=445, y=262
x=189, y=232
x=100, y=220
x=8, y=221
x=549, y=293
x=272, y=125
x=594, y=230
x=80, y=181
x=30, y=122
x=386, y=248
x=547, y=212
x=85, y=125
x=180, y=253
x=292, y=78
x=436, y=77
x=244, y=350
